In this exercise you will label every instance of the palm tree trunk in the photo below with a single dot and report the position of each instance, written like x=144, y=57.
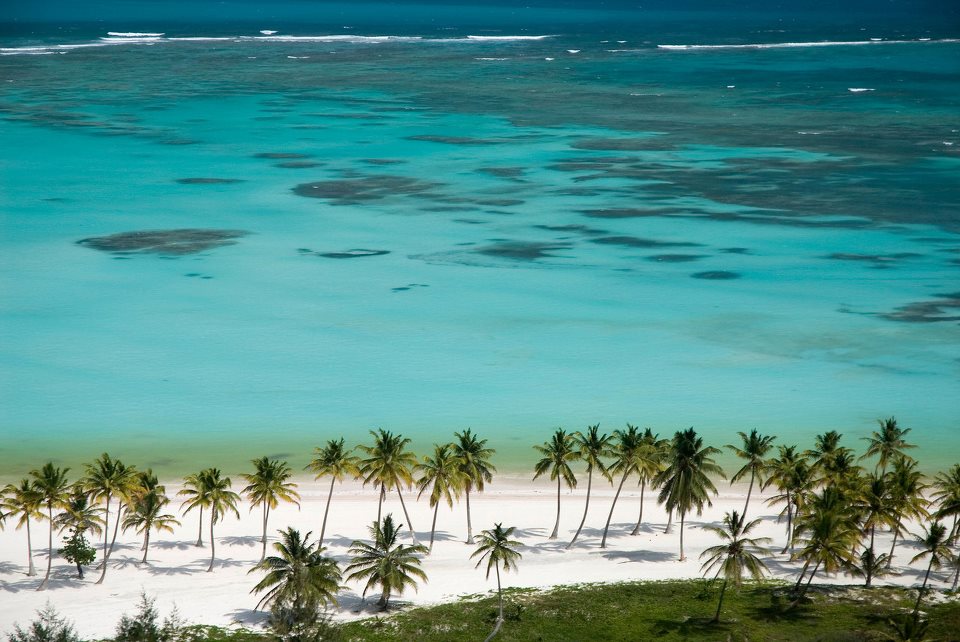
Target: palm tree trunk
x=556, y=525
x=79, y=571
x=789, y=524
x=213, y=544
x=669, y=522
x=956, y=576
x=469, y=525
x=810, y=579
x=200, y=529
x=46, y=577
x=682, y=517
x=716, y=618
x=869, y=569
x=31, y=570
x=496, y=628
x=643, y=487
x=585, y=508
x=146, y=544
x=923, y=587
x=106, y=533
x=953, y=531
x=896, y=532
x=603, y=542
x=146, y=534
x=413, y=534
x=323, y=529
x=383, y=495
x=749, y=492
x=803, y=572
x=384, y=598
x=106, y=556
x=266, y=516
x=433, y=526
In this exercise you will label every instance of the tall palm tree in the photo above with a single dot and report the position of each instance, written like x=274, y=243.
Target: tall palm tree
x=389, y=465
x=337, y=462
x=107, y=478
x=267, y=487
x=79, y=514
x=220, y=500
x=887, y=443
x=650, y=461
x=498, y=550
x=873, y=504
x=51, y=485
x=443, y=477
x=737, y=554
x=789, y=473
x=557, y=455
x=385, y=563
x=842, y=471
x=476, y=466
x=826, y=448
x=193, y=489
x=906, y=496
x=628, y=456
x=829, y=533
x=23, y=501
x=299, y=575
x=685, y=483
x=592, y=448
x=936, y=546
x=145, y=513
x=946, y=496
x=754, y=452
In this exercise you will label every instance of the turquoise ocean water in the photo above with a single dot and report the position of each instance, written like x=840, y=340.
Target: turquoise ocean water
x=446, y=217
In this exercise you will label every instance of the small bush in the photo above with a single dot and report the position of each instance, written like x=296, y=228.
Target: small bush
x=144, y=626
x=48, y=627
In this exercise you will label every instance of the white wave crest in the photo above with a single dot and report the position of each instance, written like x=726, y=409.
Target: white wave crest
x=133, y=34
x=859, y=90
x=790, y=45
x=267, y=32
x=506, y=38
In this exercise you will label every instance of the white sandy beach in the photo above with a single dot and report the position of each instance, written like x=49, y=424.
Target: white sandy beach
x=175, y=574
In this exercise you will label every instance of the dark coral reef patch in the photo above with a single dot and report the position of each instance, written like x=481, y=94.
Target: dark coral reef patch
x=166, y=242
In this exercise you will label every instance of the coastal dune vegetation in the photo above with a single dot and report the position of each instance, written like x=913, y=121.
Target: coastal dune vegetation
x=832, y=503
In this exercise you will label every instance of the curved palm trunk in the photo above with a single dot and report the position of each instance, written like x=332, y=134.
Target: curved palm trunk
x=896, y=533
x=200, y=528
x=146, y=545
x=716, y=617
x=746, y=504
x=682, y=517
x=916, y=608
x=469, y=525
x=46, y=578
x=323, y=529
x=603, y=542
x=79, y=571
x=669, y=522
x=643, y=488
x=383, y=495
x=384, y=598
x=266, y=516
x=556, y=525
x=803, y=572
x=496, y=628
x=789, y=524
x=31, y=570
x=810, y=579
x=956, y=576
x=213, y=544
x=869, y=569
x=106, y=533
x=413, y=534
x=433, y=526
x=106, y=556
x=585, y=508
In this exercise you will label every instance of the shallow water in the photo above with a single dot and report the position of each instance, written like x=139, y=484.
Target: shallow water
x=433, y=232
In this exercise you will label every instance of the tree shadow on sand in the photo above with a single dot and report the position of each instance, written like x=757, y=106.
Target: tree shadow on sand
x=639, y=556
x=243, y=540
x=181, y=545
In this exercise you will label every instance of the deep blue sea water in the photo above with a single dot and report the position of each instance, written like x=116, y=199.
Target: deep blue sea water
x=427, y=217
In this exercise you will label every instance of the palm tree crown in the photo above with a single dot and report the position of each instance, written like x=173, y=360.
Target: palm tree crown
x=593, y=448
x=267, y=487
x=736, y=555
x=220, y=499
x=389, y=465
x=194, y=490
x=23, y=501
x=887, y=443
x=443, y=477
x=498, y=550
x=557, y=455
x=385, y=563
x=475, y=464
x=754, y=450
x=145, y=511
x=299, y=575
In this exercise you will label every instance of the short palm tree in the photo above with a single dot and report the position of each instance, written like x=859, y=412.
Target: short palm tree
x=873, y=503
x=299, y=575
x=592, y=448
x=830, y=534
x=221, y=500
x=107, y=478
x=628, y=456
x=193, y=490
x=557, y=455
x=267, y=486
x=650, y=461
x=946, y=496
x=145, y=513
x=443, y=477
x=685, y=483
x=335, y=461
x=498, y=550
x=51, y=485
x=79, y=514
x=935, y=545
x=475, y=464
x=22, y=501
x=827, y=446
x=389, y=465
x=737, y=554
x=385, y=563
x=906, y=489
x=887, y=443
x=790, y=473
x=754, y=452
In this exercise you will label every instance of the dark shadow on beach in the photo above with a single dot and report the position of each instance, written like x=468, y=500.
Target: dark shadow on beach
x=639, y=556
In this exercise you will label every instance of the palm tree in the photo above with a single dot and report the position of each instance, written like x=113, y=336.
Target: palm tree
x=144, y=513
x=906, y=496
x=105, y=479
x=476, y=466
x=628, y=456
x=443, y=477
x=754, y=451
x=737, y=554
x=79, y=514
x=220, y=499
x=337, y=462
x=389, y=466
x=300, y=575
x=873, y=504
x=51, y=485
x=947, y=496
x=267, y=487
x=592, y=447
x=193, y=489
x=935, y=544
x=23, y=501
x=385, y=563
x=790, y=474
x=650, y=461
x=830, y=534
x=826, y=448
x=497, y=549
x=887, y=443
x=685, y=483
x=557, y=455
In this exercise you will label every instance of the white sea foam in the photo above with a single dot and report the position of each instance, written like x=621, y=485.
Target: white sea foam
x=506, y=38
x=267, y=32
x=790, y=45
x=200, y=38
x=858, y=90
x=573, y=51
x=491, y=59
x=549, y=59
x=133, y=34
